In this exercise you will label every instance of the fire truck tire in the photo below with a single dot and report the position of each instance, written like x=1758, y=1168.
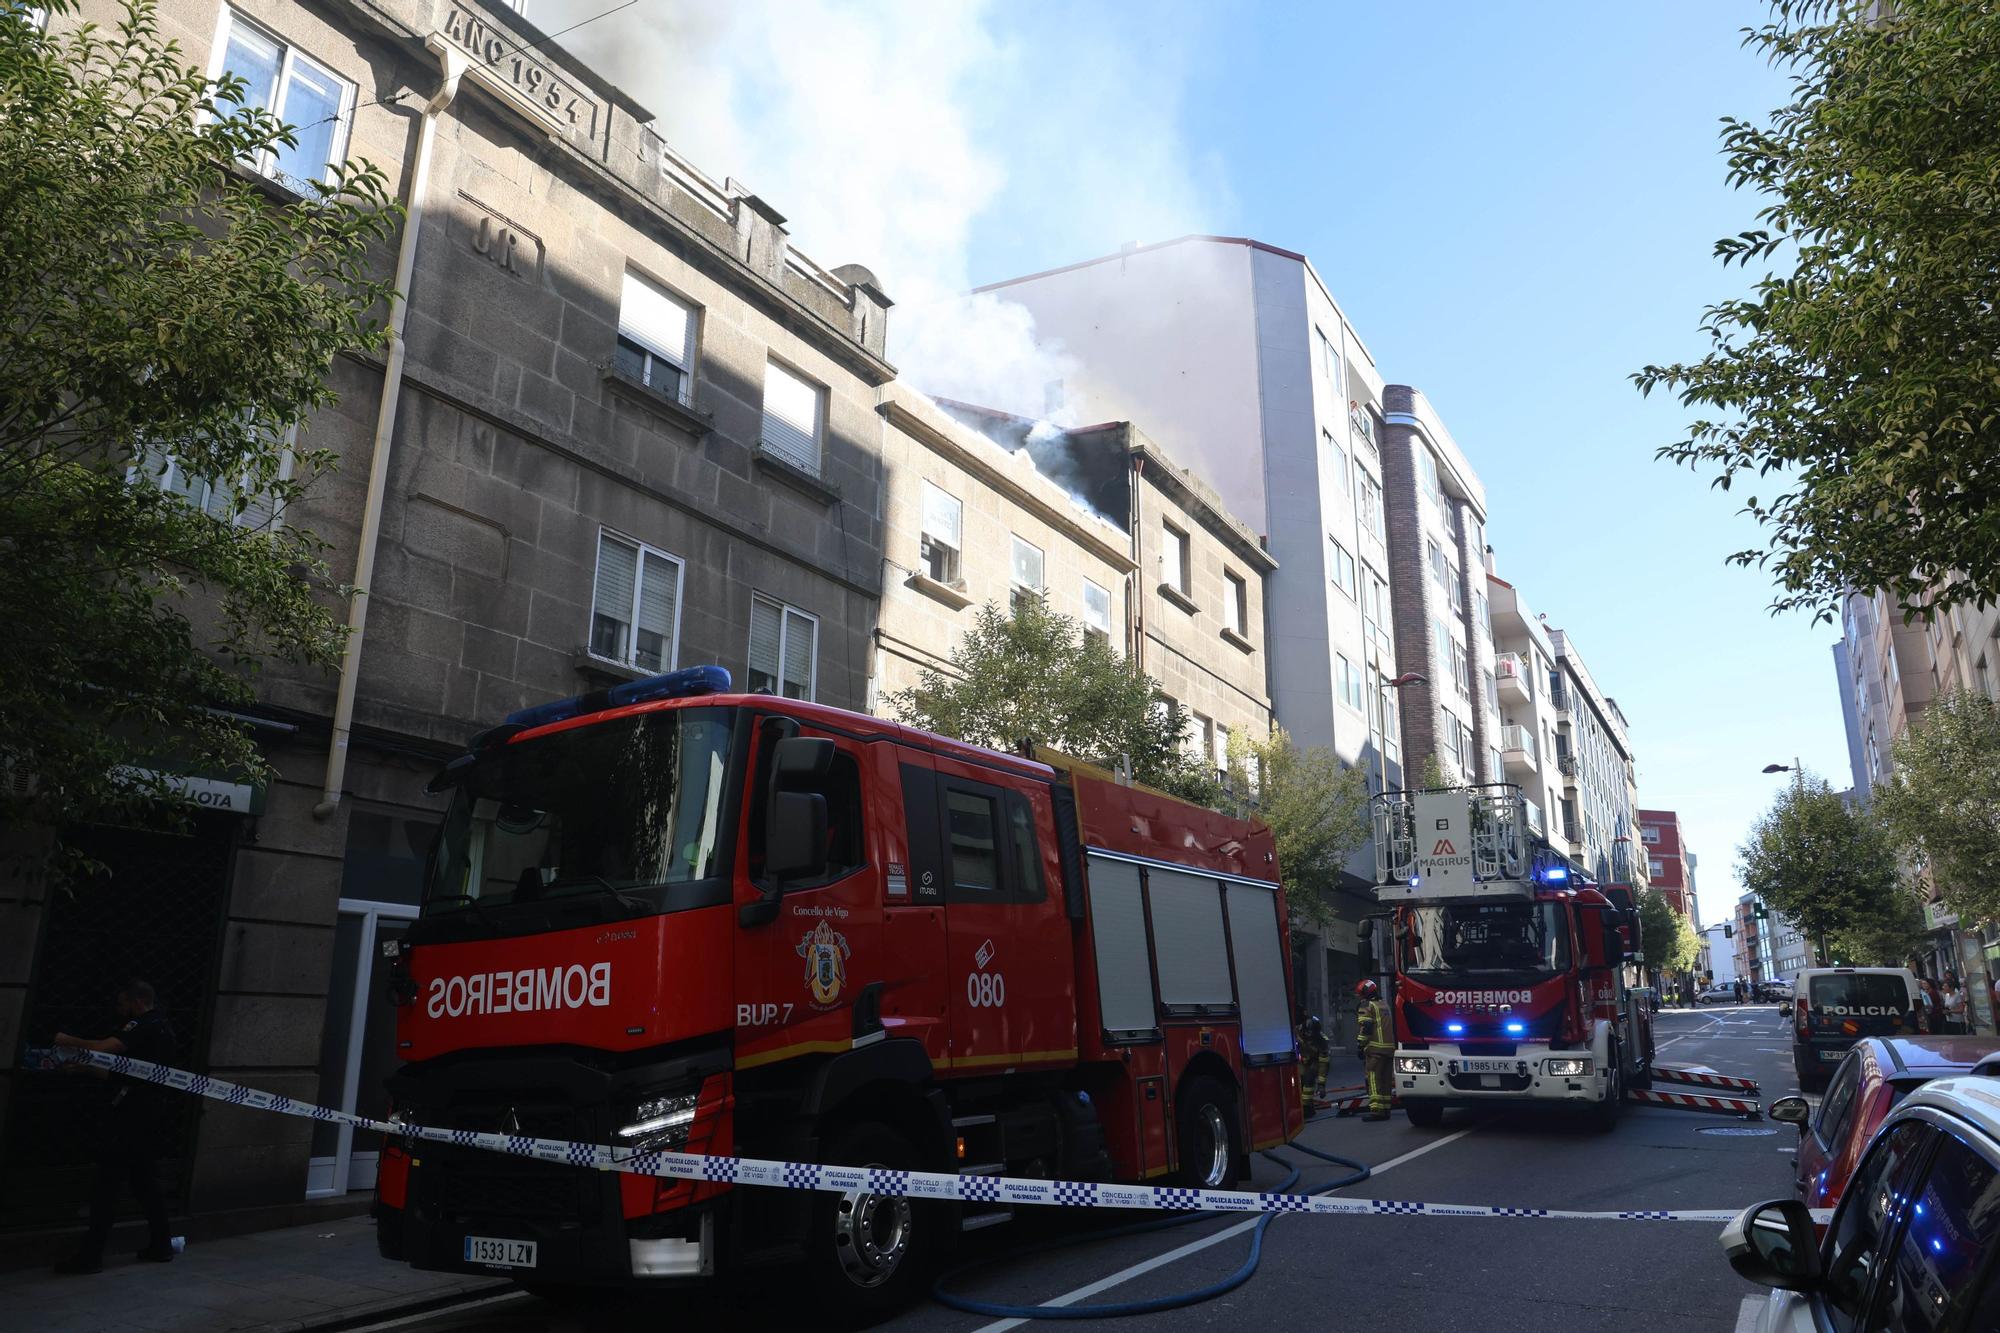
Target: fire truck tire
x=1424, y=1115
x=1605, y=1116
x=1206, y=1116
x=872, y=1254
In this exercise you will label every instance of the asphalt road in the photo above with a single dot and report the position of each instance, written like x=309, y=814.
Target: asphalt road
x=1411, y=1274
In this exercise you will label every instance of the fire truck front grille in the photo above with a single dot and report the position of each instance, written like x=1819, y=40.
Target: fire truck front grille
x=1490, y=1082
x=470, y=1191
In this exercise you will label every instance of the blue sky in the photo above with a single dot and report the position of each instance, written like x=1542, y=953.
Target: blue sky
x=1515, y=205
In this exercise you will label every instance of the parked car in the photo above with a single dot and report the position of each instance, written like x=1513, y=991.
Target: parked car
x=1774, y=990
x=1878, y=1073
x=1717, y=995
x=1907, y=1246
x=1837, y=1006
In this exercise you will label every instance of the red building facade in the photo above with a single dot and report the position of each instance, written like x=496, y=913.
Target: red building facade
x=1666, y=856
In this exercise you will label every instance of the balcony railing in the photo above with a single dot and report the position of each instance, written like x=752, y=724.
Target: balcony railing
x=1533, y=813
x=1511, y=671
x=1517, y=747
x=1570, y=831
x=1566, y=762
x=1559, y=697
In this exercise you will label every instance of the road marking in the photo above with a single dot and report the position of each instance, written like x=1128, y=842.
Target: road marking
x=1124, y=1275
x=440, y=1312
x=1747, y=1313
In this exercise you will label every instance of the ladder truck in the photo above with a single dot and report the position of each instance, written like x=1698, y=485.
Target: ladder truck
x=1505, y=967
x=670, y=915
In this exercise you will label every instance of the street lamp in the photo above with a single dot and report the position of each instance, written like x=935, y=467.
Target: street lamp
x=1798, y=772
x=1408, y=678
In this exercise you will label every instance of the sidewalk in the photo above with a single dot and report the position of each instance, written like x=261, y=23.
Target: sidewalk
x=294, y=1279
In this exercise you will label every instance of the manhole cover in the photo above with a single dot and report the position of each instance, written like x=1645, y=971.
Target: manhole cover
x=1737, y=1131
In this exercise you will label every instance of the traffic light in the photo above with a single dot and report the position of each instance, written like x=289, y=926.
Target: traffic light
x=1763, y=912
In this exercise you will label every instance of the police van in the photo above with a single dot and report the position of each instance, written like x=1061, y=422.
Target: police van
x=1834, y=1007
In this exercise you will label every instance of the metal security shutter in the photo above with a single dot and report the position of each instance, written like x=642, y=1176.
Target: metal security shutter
x=791, y=417
x=767, y=626
x=659, y=597
x=611, y=602
x=1260, y=977
x=1187, y=931
x=1118, y=929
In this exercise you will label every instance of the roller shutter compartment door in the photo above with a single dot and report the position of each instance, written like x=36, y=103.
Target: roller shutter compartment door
x=1187, y=933
x=1118, y=933
x=1260, y=978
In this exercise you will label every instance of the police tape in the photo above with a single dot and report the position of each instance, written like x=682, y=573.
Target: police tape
x=849, y=1179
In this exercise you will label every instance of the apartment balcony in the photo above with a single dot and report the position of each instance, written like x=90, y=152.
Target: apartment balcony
x=1571, y=833
x=1536, y=823
x=1512, y=671
x=1559, y=697
x=1517, y=752
x=1566, y=762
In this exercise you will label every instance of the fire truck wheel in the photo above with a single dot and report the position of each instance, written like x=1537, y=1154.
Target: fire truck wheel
x=871, y=1253
x=1605, y=1116
x=1208, y=1137
x=1424, y=1115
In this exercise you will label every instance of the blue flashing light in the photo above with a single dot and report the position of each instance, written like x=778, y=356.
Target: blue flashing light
x=1920, y=1210
x=682, y=684
x=1516, y=1028
x=1413, y=881
x=1937, y=1246
x=1455, y=1029
x=1556, y=875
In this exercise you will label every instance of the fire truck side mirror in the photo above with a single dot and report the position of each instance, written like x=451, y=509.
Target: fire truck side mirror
x=1364, y=939
x=795, y=837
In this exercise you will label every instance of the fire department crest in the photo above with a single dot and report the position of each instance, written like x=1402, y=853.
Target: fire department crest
x=825, y=951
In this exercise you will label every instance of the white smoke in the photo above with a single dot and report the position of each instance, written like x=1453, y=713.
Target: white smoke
x=886, y=131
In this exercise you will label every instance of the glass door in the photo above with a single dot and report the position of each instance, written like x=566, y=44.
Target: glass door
x=358, y=1049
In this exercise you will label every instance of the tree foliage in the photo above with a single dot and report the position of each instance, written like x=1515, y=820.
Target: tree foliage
x=1859, y=393
x=156, y=303
x=1033, y=674
x=1666, y=937
x=1317, y=808
x=1941, y=802
x=1827, y=868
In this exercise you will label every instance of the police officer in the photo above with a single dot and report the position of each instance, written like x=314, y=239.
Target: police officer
x=1374, y=1040
x=1315, y=1051
x=132, y=1138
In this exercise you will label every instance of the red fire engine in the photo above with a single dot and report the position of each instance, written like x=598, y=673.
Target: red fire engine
x=669, y=916
x=1508, y=970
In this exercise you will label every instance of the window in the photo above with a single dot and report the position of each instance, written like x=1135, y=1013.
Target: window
x=1025, y=571
x=1459, y=677
x=1649, y=833
x=1655, y=867
x=1455, y=588
x=1484, y=610
x=941, y=541
x=975, y=845
x=793, y=409
x=1174, y=571
x=1445, y=643
x=1342, y=568
x=1427, y=466
x=1347, y=680
x=298, y=90
x=1329, y=358
x=1492, y=693
x=1201, y=737
x=656, y=340
x=1235, y=604
x=1496, y=767
x=1388, y=714
x=1929, y=1283
x=1096, y=613
x=635, y=605
x=1454, y=740
x=1375, y=612
x=783, y=643
x=1869, y=1211
x=1434, y=556
x=1370, y=492
x=1336, y=458
x=224, y=501
x=1221, y=748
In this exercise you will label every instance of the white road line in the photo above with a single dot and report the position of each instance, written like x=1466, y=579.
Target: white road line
x=442, y=1311
x=1747, y=1314
x=1124, y=1275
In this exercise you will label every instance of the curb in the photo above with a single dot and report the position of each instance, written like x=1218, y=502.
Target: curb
x=436, y=1300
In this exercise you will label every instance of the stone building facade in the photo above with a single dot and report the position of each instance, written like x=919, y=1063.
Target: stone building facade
x=634, y=429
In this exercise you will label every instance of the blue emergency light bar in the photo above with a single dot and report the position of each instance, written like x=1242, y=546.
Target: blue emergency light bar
x=1455, y=1029
x=685, y=683
x=1556, y=875
x=1515, y=1029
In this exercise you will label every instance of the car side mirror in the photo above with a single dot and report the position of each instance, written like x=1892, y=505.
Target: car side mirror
x=1773, y=1244
x=1791, y=1111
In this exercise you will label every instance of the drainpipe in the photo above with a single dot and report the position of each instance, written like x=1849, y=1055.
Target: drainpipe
x=1135, y=604
x=455, y=65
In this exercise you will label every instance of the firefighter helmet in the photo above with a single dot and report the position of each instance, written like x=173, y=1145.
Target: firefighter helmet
x=1367, y=990
x=1312, y=1023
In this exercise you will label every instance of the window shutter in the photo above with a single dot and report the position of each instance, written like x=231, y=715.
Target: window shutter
x=659, y=589
x=791, y=417
x=941, y=517
x=652, y=317
x=259, y=512
x=800, y=633
x=766, y=627
x=617, y=571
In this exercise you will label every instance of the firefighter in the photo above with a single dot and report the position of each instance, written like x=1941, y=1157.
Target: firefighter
x=1314, y=1053
x=1373, y=1042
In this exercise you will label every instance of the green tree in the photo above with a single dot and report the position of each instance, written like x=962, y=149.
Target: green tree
x=1431, y=775
x=1666, y=937
x=1033, y=674
x=1941, y=803
x=1823, y=866
x=1316, y=806
x=1886, y=939
x=1859, y=393
x=157, y=304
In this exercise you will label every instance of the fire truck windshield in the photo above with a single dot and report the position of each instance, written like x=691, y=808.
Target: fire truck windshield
x=1493, y=941
x=633, y=809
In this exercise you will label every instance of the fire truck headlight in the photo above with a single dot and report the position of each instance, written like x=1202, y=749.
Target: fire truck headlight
x=659, y=1122
x=1413, y=1064
x=1567, y=1068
